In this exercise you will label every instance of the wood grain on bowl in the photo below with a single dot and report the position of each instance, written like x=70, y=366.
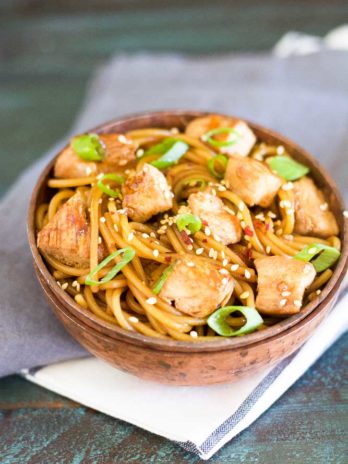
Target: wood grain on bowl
x=183, y=363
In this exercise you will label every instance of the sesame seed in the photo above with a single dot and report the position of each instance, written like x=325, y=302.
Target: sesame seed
x=345, y=214
x=130, y=236
x=324, y=207
x=288, y=237
x=99, y=240
x=225, y=262
x=242, y=223
x=139, y=153
x=239, y=215
x=102, y=219
x=88, y=170
x=260, y=216
x=152, y=234
x=122, y=139
x=298, y=303
x=100, y=201
x=221, y=188
x=258, y=157
x=193, y=334
x=152, y=300
x=207, y=231
x=286, y=293
x=271, y=215
x=234, y=267
x=312, y=251
x=189, y=247
x=279, y=232
x=215, y=254
x=58, y=283
x=225, y=281
x=216, y=238
x=283, y=302
x=199, y=251
x=145, y=235
x=222, y=253
x=244, y=295
x=65, y=286
x=116, y=227
x=268, y=249
x=290, y=211
x=74, y=284
x=318, y=292
x=247, y=274
x=280, y=150
x=241, y=206
x=211, y=252
x=155, y=253
x=122, y=162
x=133, y=319
x=223, y=271
x=288, y=186
x=174, y=130
x=190, y=264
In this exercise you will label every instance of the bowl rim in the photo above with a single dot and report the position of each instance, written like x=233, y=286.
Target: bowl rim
x=220, y=344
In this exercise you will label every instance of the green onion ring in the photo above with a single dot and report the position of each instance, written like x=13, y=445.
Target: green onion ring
x=217, y=321
x=287, y=167
x=128, y=254
x=189, y=221
x=208, y=137
x=211, y=165
x=171, y=156
x=107, y=190
x=160, y=282
x=88, y=147
x=327, y=255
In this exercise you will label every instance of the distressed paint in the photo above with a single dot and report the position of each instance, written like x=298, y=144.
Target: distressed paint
x=308, y=424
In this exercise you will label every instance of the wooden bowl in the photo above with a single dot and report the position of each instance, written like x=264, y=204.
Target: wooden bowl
x=184, y=363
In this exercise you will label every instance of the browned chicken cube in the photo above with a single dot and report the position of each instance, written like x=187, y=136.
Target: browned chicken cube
x=146, y=193
x=243, y=137
x=197, y=286
x=67, y=236
x=224, y=227
x=281, y=284
x=252, y=181
x=119, y=151
x=312, y=214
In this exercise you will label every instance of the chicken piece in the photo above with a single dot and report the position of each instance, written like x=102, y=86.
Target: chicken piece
x=119, y=151
x=312, y=216
x=210, y=209
x=67, y=236
x=281, y=284
x=252, y=181
x=146, y=193
x=245, y=136
x=196, y=286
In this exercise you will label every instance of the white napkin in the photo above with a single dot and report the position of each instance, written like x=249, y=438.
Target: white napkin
x=176, y=412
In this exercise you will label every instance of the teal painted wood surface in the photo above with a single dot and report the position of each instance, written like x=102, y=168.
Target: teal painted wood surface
x=48, y=51
x=307, y=425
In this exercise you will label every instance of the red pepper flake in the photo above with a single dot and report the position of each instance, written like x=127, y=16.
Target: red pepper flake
x=258, y=224
x=267, y=225
x=187, y=240
x=168, y=259
x=205, y=223
x=248, y=254
x=204, y=240
x=248, y=231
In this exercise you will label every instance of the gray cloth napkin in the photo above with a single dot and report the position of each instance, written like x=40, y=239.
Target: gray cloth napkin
x=305, y=98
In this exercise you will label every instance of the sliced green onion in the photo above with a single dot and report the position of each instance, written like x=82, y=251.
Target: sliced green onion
x=287, y=167
x=208, y=137
x=127, y=255
x=327, y=255
x=217, y=321
x=160, y=282
x=162, y=147
x=171, y=156
x=220, y=159
x=189, y=221
x=107, y=190
x=88, y=147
